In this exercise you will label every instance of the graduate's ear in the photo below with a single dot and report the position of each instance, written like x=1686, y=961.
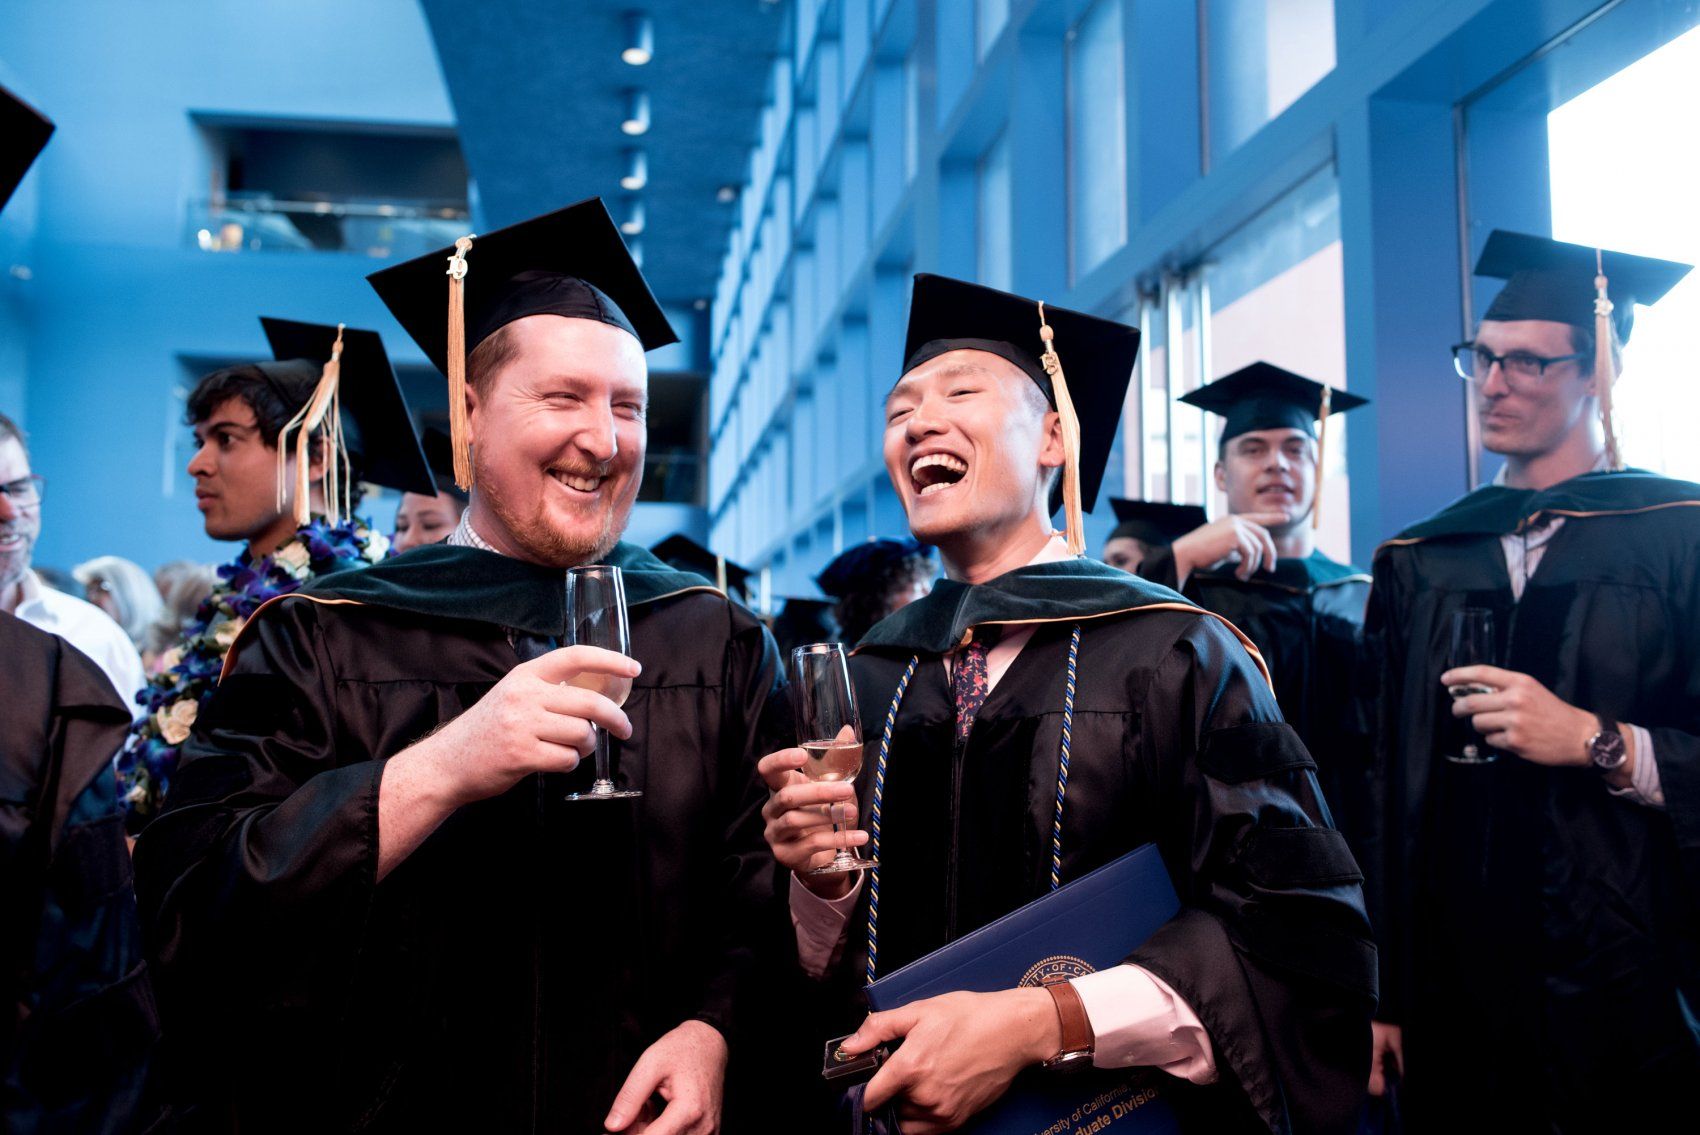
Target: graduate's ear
x=1053, y=452
x=1221, y=478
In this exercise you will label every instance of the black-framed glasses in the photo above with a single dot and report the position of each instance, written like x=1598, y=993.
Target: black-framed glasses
x=1474, y=363
x=23, y=491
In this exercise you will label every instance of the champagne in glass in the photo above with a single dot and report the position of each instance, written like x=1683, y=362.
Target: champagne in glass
x=1472, y=645
x=596, y=616
x=830, y=730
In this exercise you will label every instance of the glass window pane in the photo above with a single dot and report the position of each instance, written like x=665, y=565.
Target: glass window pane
x=1097, y=136
x=1263, y=55
x=989, y=18
x=1657, y=402
x=993, y=215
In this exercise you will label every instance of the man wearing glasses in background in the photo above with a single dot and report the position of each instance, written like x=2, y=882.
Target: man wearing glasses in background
x=1537, y=911
x=77, y=621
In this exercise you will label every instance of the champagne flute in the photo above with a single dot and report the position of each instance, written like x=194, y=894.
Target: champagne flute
x=596, y=616
x=1472, y=645
x=829, y=730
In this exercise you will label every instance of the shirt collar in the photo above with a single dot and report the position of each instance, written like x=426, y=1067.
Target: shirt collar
x=465, y=536
x=30, y=596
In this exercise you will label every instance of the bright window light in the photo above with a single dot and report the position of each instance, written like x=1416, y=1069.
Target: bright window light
x=1624, y=178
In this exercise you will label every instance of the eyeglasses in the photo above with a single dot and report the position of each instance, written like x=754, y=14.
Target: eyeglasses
x=24, y=491
x=1475, y=363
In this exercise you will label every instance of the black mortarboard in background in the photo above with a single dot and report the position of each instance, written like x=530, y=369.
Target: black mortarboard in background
x=440, y=456
x=23, y=133
x=681, y=552
x=854, y=568
x=572, y=262
x=1552, y=280
x=1262, y=396
x=376, y=424
x=1096, y=357
x=1155, y=523
x=803, y=621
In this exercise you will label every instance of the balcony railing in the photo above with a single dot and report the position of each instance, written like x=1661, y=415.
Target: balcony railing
x=265, y=224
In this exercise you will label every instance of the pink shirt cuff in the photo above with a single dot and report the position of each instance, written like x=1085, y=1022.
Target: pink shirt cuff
x=1138, y=1020
x=820, y=925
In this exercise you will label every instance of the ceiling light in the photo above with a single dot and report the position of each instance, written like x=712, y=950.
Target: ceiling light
x=636, y=174
x=640, y=39
x=726, y=194
x=636, y=120
x=632, y=223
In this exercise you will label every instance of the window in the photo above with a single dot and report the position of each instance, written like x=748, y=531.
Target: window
x=1261, y=55
x=993, y=216
x=1097, y=137
x=1628, y=115
x=990, y=16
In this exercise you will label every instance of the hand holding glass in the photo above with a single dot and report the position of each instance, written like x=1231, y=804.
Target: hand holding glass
x=829, y=730
x=1472, y=645
x=596, y=616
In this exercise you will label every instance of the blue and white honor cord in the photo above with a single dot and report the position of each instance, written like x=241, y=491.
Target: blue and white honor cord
x=879, y=789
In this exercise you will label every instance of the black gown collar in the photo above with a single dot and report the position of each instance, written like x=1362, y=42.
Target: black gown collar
x=1495, y=510
x=1063, y=591
x=469, y=584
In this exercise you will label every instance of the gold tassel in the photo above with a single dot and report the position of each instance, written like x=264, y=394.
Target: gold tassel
x=320, y=405
x=1321, y=452
x=720, y=573
x=1605, y=373
x=1074, y=525
x=458, y=421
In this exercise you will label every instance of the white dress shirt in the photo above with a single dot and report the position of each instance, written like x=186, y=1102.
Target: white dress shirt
x=91, y=631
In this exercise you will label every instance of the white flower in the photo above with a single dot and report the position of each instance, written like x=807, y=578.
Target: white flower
x=226, y=631
x=377, y=547
x=293, y=557
x=175, y=720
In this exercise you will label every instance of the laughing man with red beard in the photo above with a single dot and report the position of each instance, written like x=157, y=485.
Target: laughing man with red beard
x=374, y=906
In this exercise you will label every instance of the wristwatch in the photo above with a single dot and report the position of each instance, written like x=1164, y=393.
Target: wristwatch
x=1077, y=1039
x=1606, y=748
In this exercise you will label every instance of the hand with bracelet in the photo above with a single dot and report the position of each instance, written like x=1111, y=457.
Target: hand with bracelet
x=961, y=1050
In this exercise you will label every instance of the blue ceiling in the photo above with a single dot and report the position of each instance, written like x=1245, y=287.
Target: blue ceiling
x=538, y=91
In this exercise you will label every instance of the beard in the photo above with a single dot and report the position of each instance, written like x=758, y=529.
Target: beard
x=528, y=522
x=15, y=561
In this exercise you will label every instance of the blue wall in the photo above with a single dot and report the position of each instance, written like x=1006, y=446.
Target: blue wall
x=92, y=344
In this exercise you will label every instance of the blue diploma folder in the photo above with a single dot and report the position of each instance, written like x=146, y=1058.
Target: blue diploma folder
x=1095, y=921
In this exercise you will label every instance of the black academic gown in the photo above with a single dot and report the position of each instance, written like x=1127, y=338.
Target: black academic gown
x=1306, y=617
x=1541, y=935
x=506, y=976
x=1176, y=740
x=77, y=1044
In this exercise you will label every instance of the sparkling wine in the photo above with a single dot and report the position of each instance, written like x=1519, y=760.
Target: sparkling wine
x=832, y=760
x=611, y=686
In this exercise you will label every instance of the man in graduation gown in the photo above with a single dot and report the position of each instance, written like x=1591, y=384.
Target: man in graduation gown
x=1259, y=568
x=373, y=905
x=77, y=1046
x=1143, y=528
x=1539, y=913
x=1257, y=996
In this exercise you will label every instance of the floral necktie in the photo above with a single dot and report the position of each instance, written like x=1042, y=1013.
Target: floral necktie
x=968, y=685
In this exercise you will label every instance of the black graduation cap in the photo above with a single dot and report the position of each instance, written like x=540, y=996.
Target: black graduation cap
x=802, y=621
x=375, y=424
x=1155, y=522
x=951, y=315
x=850, y=570
x=1263, y=396
x=1553, y=280
x=25, y=132
x=440, y=456
x=572, y=262
x=681, y=552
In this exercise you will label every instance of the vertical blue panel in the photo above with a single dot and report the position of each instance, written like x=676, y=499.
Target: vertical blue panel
x=1163, y=102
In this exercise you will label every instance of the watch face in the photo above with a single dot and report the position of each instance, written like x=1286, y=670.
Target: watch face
x=1607, y=750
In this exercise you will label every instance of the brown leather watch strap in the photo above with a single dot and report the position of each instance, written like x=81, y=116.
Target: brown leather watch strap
x=1077, y=1038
